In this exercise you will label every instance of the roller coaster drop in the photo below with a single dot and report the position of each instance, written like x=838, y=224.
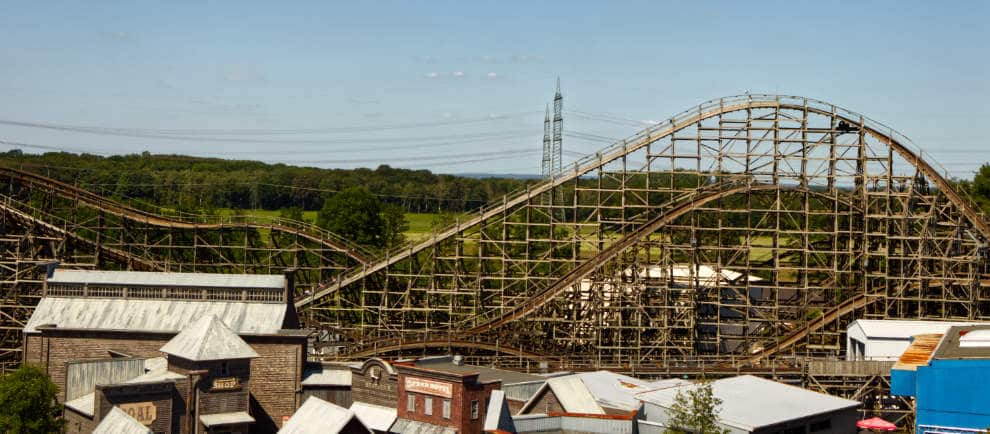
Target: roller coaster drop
x=748, y=229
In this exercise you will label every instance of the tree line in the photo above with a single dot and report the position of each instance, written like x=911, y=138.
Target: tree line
x=194, y=183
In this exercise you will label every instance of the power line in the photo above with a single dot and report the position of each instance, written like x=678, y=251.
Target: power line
x=176, y=133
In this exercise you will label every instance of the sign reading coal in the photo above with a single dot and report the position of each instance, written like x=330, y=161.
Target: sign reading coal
x=144, y=412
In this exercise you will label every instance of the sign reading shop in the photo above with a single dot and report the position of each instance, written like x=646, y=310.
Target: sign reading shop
x=429, y=387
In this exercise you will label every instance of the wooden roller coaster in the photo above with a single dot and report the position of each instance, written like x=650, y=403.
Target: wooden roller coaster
x=745, y=233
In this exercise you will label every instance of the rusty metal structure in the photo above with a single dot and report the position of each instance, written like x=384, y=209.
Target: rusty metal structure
x=45, y=221
x=745, y=231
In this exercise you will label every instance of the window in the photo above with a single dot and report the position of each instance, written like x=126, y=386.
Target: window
x=474, y=410
x=223, y=369
x=411, y=403
x=428, y=405
x=446, y=409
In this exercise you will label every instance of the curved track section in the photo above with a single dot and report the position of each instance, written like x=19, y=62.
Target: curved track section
x=802, y=214
x=297, y=228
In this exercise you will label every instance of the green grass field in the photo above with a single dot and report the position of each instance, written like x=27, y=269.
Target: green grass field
x=420, y=224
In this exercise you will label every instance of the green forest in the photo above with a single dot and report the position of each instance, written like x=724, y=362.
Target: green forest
x=205, y=184
x=377, y=208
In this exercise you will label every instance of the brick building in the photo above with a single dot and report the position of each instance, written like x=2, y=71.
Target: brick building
x=127, y=318
x=441, y=401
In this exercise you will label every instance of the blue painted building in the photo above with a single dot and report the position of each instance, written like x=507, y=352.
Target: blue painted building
x=949, y=377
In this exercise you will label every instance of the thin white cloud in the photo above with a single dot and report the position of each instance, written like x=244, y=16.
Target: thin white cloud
x=526, y=59
x=117, y=35
x=491, y=75
x=242, y=73
x=458, y=74
x=431, y=75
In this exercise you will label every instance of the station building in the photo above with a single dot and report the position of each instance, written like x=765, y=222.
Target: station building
x=886, y=340
x=949, y=377
x=111, y=337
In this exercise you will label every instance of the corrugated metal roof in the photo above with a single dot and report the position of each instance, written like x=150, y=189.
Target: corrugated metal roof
x=154, y=278
x=155, y=363
x=902, y=329
x=119, y=422
x=573, y=395
x=406, y=426
x=373, y=416
x=614, y=390
x=317, y=416
x=208, y=338
x=485, y=374
x=750, y=402
x=316, y=374
x=153, y=315
x=497, y=415
x=668, y=383
x=220, y=419
x=952, y=345
x=84, y=404
x=918, y=353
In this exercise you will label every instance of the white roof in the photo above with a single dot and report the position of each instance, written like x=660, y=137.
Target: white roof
x=903, y=329
x=155, y=278
x=153, y=315
x=975, y=339
x=319, y=375
x=232, y=418
x=374, y=416
x=750, y=402
x=588, y=392
x=317, y=416
x=614, y=390
x=208, y=339
x=84, y=404
x=573, y=396
x=119, y=422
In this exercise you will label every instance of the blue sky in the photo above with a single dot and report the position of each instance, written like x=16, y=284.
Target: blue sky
x=454, y=80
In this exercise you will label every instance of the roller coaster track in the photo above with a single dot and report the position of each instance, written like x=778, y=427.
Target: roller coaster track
x=848, y=306
x=301, y=229
x=29, y=219
x=704, y=111
x=390, y=347
x=574, y=276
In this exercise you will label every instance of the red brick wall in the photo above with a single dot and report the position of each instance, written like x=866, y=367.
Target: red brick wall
x=460, y=405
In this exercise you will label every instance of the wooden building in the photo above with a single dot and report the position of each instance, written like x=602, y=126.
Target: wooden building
x=93, y=316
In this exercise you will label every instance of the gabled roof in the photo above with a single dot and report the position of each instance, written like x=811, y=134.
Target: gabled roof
x=161, y=316
x=208, y=339
x=374, y=416
x=118, y=422
x=902, y=329
x=318, y=374
x=154, y=278
x=317, y=416
x=592, y=392
x=750, y=402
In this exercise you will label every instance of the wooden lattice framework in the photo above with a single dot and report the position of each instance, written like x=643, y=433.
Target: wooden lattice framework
x=808, y=214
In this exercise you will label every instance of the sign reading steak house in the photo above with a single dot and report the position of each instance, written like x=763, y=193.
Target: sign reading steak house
x=429, y=387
